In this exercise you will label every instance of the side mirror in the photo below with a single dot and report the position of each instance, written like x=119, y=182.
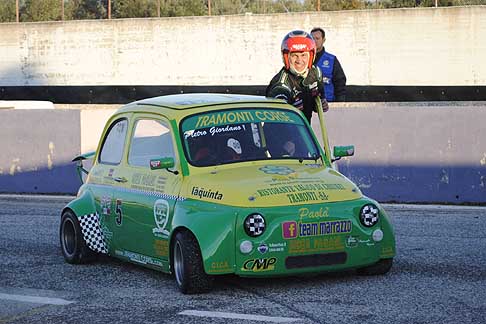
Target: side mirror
x=163, y=163
x=341, y=151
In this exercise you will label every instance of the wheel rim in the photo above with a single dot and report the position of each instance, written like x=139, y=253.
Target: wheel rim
x=178, y=263
x=68, y=237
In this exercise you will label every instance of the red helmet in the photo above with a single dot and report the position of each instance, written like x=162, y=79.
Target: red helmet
x=298, y=41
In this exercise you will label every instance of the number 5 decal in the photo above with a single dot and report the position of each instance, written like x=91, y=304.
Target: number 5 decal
x=118, y=212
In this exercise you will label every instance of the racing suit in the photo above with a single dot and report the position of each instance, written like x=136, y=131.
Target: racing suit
x=298, y=91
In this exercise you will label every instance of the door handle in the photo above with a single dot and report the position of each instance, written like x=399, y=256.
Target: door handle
x=120, y=179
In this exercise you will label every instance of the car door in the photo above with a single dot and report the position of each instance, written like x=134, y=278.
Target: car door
x=103, y=175
x=146, y=200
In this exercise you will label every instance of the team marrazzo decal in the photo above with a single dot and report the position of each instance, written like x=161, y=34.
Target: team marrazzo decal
x=161, y=216
x=206, y=193
x=92, y=234
x=292, y=229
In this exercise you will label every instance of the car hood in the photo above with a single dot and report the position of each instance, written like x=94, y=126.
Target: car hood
x=271, y=185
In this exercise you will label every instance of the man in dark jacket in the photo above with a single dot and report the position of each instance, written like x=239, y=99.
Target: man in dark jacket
x=333, y=74
x=298, y=82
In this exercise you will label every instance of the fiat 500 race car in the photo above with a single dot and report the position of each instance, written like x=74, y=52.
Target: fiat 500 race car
x=201, y=185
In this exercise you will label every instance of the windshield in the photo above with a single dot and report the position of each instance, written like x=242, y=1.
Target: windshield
x=246, y=135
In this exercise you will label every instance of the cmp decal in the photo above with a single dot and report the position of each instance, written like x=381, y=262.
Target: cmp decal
x=161, y=216
x=92, y=234
x=258, y=265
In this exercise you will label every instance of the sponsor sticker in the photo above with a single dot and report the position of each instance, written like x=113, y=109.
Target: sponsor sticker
x=161, y=217
x=259, y=265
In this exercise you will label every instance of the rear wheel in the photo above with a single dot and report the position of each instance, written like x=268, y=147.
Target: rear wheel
x=187, y=264
x=379, y=268
x=73, y=246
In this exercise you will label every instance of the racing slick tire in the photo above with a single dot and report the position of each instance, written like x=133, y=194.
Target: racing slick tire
x=379, y=268
x=73, y=246
x=187, y=264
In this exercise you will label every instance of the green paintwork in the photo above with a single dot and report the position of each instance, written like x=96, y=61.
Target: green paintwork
x=342, y=151
x=161, y=163
x=304, y=202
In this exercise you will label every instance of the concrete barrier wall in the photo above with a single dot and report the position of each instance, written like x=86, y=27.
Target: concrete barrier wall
x=419, y=46
x=36, y=149
x=405, y=152
x=413, y=152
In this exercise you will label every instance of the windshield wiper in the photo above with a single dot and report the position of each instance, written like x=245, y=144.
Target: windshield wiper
x=316, y=157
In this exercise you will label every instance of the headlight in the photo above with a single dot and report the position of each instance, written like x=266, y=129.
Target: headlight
x=369, y=215
x=254, y=225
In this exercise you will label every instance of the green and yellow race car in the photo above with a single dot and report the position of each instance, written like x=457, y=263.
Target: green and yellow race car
x=201, y=185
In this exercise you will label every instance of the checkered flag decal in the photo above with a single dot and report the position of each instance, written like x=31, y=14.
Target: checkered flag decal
x=93, y=236
x=370, y=216
x=255, y=225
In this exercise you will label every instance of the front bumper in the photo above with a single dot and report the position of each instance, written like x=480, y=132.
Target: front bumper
x=315, y=238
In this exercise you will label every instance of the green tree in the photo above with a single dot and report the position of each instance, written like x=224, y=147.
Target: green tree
x=41, y=10
x=85, y=9
x=134, y=8
x=7, y=11
x=177, y=8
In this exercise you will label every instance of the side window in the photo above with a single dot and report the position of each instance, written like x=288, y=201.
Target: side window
x=151, y=139
x=112, y=150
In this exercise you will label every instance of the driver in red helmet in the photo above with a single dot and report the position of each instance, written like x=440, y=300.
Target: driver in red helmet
x=298, y=82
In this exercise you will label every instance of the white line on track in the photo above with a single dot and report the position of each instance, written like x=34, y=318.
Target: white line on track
x=36, y=299
x=240, y=316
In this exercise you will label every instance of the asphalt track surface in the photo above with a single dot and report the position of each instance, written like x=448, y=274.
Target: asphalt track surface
x=439, y=276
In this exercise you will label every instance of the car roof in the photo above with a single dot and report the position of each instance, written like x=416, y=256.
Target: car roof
x=180, y=102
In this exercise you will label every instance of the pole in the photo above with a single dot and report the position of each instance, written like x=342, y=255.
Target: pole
x=109, y=9
x=318, y=7
x=209, y=7
x=17, y=11
x=62, y=9
x=325, y=139
x=158, y=8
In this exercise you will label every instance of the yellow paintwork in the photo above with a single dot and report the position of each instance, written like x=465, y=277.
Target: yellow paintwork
x=258, y=184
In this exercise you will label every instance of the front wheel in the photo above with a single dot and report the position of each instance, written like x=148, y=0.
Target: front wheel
x=379, y=268
x=187, y=265
x=73, y=246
